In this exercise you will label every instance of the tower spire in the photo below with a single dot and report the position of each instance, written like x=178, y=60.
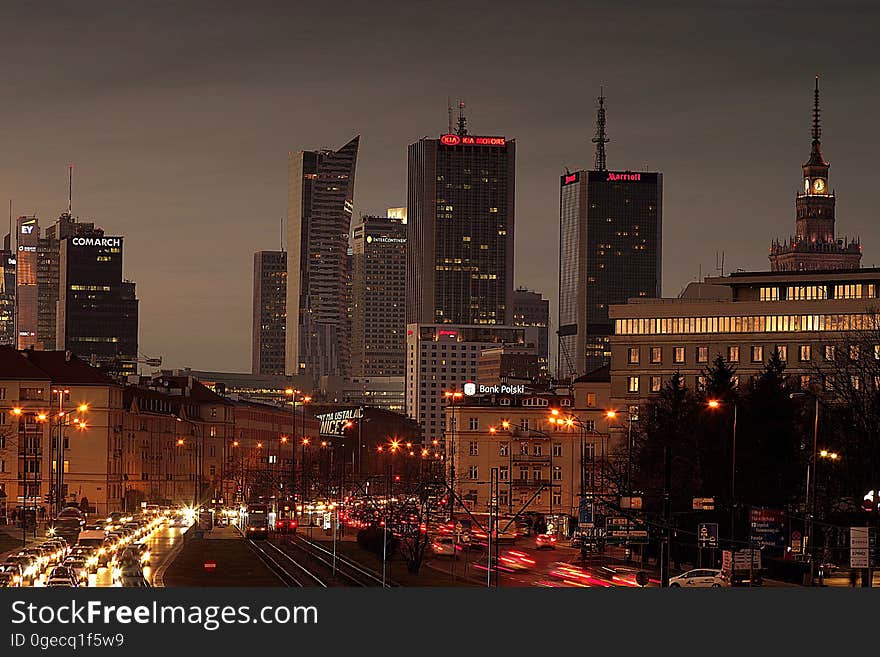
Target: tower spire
x=462, y=120
x=69, y=190
x=600, y=139
x=817, y=126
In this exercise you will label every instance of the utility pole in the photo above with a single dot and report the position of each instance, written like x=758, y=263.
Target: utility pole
x=667, y=517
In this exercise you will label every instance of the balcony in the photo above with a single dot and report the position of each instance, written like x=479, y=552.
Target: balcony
x=531, y=458
x=530, y=483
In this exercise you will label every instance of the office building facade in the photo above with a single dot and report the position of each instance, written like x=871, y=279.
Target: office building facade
x=97, y=308
x=319, y=210
x=460, y=224
x=532, y=309
x=609, y=251
x=378, y=297
x=7, y=295
x=744, y=318
x=443, y=358
x=27, y=238
x=269, y=312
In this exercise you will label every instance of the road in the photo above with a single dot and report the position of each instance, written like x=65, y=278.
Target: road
x=160, y=543
x=521, y=564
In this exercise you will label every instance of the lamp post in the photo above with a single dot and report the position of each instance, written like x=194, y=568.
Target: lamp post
x=451, y=397
x=295, y=395
x=714, y=404
x=810, y=489
x=302, y=468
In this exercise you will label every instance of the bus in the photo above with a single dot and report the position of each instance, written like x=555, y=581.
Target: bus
x=256, y=525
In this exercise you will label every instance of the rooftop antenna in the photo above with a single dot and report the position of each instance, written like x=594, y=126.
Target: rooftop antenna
x=449, y=111
x=600, y=139
x=69, y=190
x=462, y=121
x=282, y=233
x=10, y=224
x=817, y=127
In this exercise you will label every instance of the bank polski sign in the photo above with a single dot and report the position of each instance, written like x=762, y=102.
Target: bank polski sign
x=470, y=389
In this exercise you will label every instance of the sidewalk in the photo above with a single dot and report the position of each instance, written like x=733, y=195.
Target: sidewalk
x=10, y=539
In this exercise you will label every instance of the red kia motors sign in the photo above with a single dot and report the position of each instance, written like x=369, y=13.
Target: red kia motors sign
x=469, y=140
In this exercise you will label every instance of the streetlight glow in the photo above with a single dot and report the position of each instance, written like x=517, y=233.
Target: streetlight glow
x=713, y=403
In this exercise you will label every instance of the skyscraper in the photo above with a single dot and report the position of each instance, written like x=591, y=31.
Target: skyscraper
x=379, y=297
x=269, y=312
x=97, y=308
x=319, y=207
x=460, y=228
x=7, y=294
x=532, y=309
x=48, y=273
x=609, y=251
x=27, y=231
x=814, y=245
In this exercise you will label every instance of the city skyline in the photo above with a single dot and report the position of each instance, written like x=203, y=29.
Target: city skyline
x=196, y=189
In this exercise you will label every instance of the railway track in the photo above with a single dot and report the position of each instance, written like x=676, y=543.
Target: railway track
x=349, y=570
x=287, y=569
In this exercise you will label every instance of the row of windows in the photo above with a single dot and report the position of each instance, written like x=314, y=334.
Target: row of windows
x=655, y=383
x=504, y=473
x=745, y=324
x=815, y=292
x=537, y=449
x=757, y=353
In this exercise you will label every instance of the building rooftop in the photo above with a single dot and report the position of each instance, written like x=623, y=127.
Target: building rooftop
x=64, y=368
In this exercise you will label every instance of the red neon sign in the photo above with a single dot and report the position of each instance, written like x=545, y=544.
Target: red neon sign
x=570, y=178
x=443, y=332
x=468, y=140
x=633, y=177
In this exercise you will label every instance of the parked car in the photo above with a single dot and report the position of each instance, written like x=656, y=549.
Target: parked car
x=700, y=578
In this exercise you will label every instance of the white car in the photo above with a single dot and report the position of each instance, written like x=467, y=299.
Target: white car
x=699, y=578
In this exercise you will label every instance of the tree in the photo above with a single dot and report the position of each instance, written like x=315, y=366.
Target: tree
x=670, y=421
x=770, y=444
x=721, y=380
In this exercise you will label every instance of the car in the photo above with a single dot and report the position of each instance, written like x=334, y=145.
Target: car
x=699, y=578
x=59, y=572
x=88, y=554
x=78, y=566
x=545, y=541
x=9, y=581
x=40, y=555
x=445, y=546
x=13, y=569
x=61, y=582
x=130, y=575
x=138, y=552
x=29, y=567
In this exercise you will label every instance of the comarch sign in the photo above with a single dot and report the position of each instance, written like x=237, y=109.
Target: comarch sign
x=97, y=241
x=333, y=424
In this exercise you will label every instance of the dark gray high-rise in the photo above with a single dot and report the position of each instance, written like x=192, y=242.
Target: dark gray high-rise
x=378, y=339
x=319, y=208
x=610, y=242
x=269, y=312
x=532, y=309
x=460, y=228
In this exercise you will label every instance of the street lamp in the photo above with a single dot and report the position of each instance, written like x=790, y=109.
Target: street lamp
x=714, y=404
x=451, y=397
x=295, y=395
x=810, y=490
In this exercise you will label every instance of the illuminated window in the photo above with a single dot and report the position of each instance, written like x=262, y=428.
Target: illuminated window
x=757, y=354
x=805, y=381
x=854, y=352
x=504, y=449
x=769, y=294
x=733, y=354
x=656, y=354
x=702, y=354
x=701, y=383
x=632, y=384
x=503, y=473
x=678, y=354
x=806, y=353
x=633, y=355
x=656, y=383
x=829, y=352
x=782, y=350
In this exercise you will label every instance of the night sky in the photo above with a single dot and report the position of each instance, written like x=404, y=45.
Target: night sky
x=179, y=120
